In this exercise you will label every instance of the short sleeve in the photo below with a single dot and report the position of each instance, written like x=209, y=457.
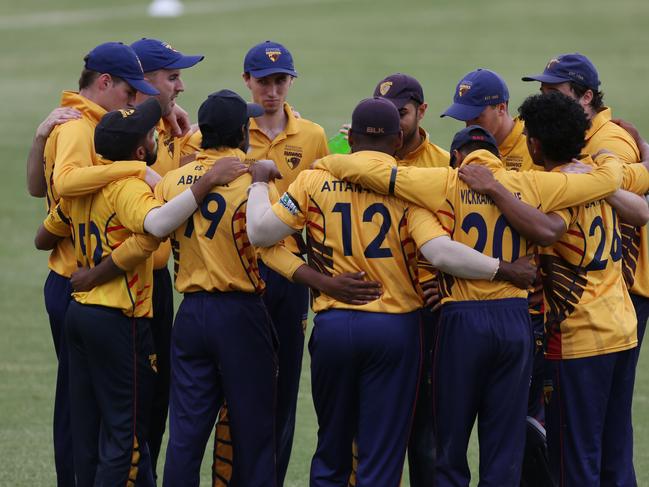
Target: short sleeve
x=57, y=221
x=423, y=225
x=132, y=200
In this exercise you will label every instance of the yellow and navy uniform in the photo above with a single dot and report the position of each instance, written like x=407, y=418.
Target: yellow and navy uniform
x=516, y=157
x=588, y=308
x=171, y=150
x=514, y=152
x=351, y=229
x=100, y=223
x=604, y=134
x=426, y=154
x=71, y=146
x=211, y=249
x=293, y=150
x=472, y=218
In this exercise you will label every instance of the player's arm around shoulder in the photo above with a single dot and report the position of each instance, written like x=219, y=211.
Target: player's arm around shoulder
x=55, y=227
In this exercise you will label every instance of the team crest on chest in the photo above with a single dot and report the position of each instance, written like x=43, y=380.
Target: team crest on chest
x=293, y=156
x=385, y=87
x=273, y=54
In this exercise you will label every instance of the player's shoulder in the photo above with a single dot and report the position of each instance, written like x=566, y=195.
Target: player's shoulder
x=308, y=127
x=131, y=184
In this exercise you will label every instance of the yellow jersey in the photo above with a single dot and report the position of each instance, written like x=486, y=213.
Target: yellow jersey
x=588, y=310
x=472, y=218
x=211, y=249
x=293, y=150
x=604, y=134
x=71, y=146
x=513, y=150
x=351, y=229
x=170, y=151
x=426, y=154
x=99, y=224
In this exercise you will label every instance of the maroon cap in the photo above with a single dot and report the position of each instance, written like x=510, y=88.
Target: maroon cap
x=400, y=88
x=375, y=116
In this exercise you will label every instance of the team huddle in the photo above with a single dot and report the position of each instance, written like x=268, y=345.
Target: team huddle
x=504, y=280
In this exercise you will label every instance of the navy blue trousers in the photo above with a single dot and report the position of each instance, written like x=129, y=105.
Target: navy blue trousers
x=364, y=376
x=111, y=379
x=421, y=447
x=288, y=305
x=58, y=294
x=535, y=404
x=482, y=367
x=161, y=324
x=641, y=305
x=222, y=348
x=588, y=419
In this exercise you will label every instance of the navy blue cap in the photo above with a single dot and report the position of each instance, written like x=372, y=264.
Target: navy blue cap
x=375, y=116
x=472, y=133
x=224, y=112
x=268, y=58
x=400, y=89
x=120, y=60
x=568, y=67
x=118, y=132
x=155, y=54
x=478, y=89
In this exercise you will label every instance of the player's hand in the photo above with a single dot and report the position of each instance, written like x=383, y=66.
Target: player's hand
x=629, y=127
x=346, y=127
x=225, y=170
x=431, y=294
x=479, y=178
x=351, y=288
x=81, y=279
x=521, y=273
x=179, y=121
x=296, y=114
x=58, y=116
x=264, y=170
x=151, y=178
x=576, y=167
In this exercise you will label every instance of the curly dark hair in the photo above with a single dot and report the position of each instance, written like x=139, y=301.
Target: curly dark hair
x=558, y=122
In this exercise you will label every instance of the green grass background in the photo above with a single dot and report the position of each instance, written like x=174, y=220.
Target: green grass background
x=341, y=49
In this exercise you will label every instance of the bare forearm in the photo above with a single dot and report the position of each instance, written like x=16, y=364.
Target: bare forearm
x=36, y=184
x=105, y=271
x=528, y=221
x=630, y=207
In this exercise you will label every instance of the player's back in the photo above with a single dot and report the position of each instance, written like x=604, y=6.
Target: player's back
x=588, y=308
x=100, y=223
x=474, y=220
x=211, y=249
x=351, y=229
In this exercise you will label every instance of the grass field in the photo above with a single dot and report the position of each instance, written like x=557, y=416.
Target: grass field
x=341, y=48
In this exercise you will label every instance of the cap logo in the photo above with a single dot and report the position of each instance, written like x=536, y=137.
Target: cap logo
x=552, y=62
x=126, y=113
x=462, y=89
x=273, y=54
x=168, y=46
x=375, y=130
x=385, y=87
x=478, y=137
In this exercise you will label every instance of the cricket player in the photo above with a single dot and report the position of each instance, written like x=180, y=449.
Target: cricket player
x=365, y=360
x=591, y=326
x=162, y=66
x=575, y=76
x=482, y=98
x=483, y=323
x=407, y=95
x=112, y=360
x=223, y=342
x=293, y=143
x=111, y=76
